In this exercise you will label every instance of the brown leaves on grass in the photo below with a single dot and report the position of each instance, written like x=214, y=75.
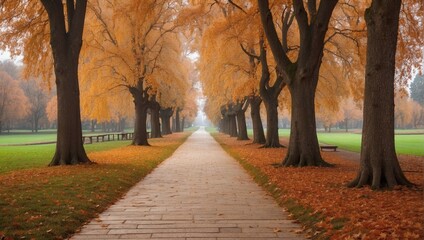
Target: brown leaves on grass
x=62, y=198
x=347, y=213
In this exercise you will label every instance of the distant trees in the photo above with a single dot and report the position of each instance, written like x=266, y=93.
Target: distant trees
x=37, y=97
x=417, y=89
x=14, y=105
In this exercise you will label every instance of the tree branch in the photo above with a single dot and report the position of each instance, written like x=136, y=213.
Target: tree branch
x=248, y=53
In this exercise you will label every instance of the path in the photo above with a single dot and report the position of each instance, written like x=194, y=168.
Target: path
x=198, y=193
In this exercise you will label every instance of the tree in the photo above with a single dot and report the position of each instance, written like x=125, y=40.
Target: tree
x=38, y=100
x=37, y=22
x=302, y=75
x=403, y=111
x=417, y=89
x=351, y=111
x=14, y=105
x=379, y=166
x=133, y=46
x=51, y=109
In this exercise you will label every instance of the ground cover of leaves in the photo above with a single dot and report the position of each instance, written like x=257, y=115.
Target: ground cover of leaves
x=53, y=202
x=345, y=213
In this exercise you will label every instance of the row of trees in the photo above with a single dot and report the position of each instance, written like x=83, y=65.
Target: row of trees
x=123, y=51
x=21, y=100
x=29, y=104
x=308, y=56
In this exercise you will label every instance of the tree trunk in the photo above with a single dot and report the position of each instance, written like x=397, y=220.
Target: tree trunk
x=232, y=125
x=165, y=115
x=66, y=45
x=93, y=125
x=177, y=120
x=69, y=146
x=379, y=166
x=182, y=124
x=272, y=137
x=301, y=76
x=240, y=109
x=346, y=125
x=121, y=124
x=241, y=123
x=303, y=144
x=255, y=112
x=140, y=129
x=155, y=120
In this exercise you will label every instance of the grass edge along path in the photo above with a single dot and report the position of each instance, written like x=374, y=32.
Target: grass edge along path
x=345, y=213
x=54, y=202
x=301, y=214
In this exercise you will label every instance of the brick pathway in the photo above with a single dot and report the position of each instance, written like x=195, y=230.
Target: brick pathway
x=198, y=193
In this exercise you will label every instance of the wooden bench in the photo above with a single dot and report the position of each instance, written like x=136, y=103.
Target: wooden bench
x=329, y=147
x=89, y=138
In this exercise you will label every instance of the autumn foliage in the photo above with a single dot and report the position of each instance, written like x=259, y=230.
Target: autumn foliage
x=343, y=213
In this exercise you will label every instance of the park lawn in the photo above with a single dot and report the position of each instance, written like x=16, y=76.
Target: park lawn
x=320, y=200
x=405, y=144
x=14, y=158
x=54, y=202
x=26, y=138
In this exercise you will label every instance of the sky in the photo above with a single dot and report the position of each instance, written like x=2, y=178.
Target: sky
x=5, y=55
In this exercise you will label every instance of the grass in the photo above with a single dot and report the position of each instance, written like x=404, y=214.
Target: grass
x=53, y=202
x=26, y=138
x=405, y=144
x=303, y=214
x=14, y=158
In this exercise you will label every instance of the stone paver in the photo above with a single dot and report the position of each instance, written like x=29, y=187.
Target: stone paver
x=198, y=193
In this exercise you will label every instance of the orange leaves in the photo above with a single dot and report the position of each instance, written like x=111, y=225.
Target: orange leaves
x=347, y=213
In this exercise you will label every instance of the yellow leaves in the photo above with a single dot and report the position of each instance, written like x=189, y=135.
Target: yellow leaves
x=132, y=42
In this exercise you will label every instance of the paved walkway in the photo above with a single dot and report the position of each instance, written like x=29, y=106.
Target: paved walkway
x=198, y=193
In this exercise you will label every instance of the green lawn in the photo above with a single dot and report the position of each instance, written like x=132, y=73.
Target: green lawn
x=32, y=156
x=406, y=142
x=26, y=138
x=53, y=202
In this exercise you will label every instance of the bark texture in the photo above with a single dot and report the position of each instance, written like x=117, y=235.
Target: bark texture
x=165, y=115
x=300, y=76
x=255, y=113
x=66, y=45
x=141, y=104
x=379, y=166
x=177, y=120
x=155, y=119
x=269, y=95
x=240, y=108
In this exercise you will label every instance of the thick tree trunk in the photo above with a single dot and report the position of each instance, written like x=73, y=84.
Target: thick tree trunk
x=303, y=144
x=69, y=146
x=241, y=123
x=255, y=112
x=155, y=120
x=379, y=166
x=240, y=109
x=232, y=125
x=177, y=120
x=66, y=45
x=165, y=115
x=140, y=127
x=272, y=137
